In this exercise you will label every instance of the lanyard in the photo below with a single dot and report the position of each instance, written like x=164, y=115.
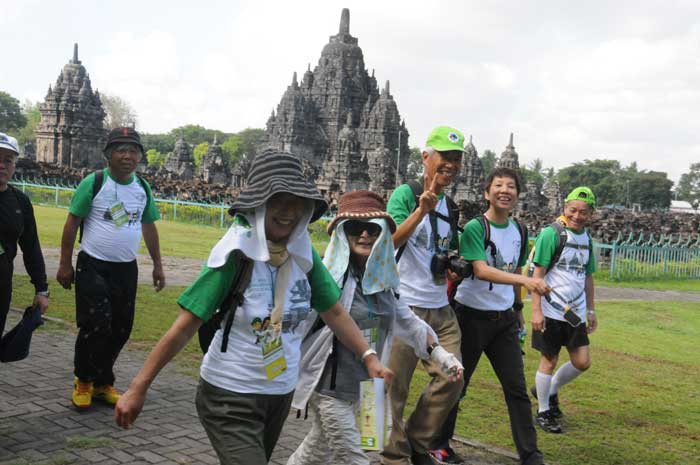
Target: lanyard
x=273, y=278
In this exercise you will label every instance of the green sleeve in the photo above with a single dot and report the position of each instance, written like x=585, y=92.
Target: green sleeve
x=150, y=212
x=324, y=291
x=471, y=241
x=81, y=203
x=401, y=203
x=205, y=295
x=523, y=259
x=545, y=246
x=591, y=265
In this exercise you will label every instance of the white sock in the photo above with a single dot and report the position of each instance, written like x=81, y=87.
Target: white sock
x=564, y=375
x=542, y=384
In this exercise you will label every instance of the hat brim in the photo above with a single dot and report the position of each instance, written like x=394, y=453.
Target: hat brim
x=362, y=216
x=253, y=196
x=123, y=140
x=8, y=148
x=448, y=148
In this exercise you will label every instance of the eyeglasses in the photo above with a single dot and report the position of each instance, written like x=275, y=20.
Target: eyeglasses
x=355, y=228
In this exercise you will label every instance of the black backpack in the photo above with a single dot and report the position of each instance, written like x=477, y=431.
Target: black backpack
x=452, y=214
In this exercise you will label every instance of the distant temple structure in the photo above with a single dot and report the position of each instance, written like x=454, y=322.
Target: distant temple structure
x=213, y=168
x=467, y=185
x=71, y=131
x=181, y=161
x=348, y=134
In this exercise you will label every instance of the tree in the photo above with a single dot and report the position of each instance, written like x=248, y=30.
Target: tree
x=119, y=112
x=250, y=141
x=650, y=189
x=232, y=148
x=195, y=134
x=488, y=161
x=26, y=134
x=533, y=172
x=689, y=186
x=11, y=116
x=199, y=151
x=602, y=176
x=155, y=158
x=414, y=169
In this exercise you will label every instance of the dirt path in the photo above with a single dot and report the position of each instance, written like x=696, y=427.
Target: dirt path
x=182, y=271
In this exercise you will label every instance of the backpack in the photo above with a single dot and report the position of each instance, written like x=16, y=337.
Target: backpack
x=243, y=267
x=96, y=187
x=562, y=242
x=452, y=215
x=486, y=226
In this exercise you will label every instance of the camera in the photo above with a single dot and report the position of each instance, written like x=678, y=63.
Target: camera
x=450, y=261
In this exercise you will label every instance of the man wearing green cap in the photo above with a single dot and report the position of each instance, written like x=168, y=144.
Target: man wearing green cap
x=427, y=222
x=564, y=258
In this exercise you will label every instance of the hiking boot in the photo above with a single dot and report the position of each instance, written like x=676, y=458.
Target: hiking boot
x=82, y=394
x=446, y=456
x=106, y=394
x=553, y=403
x=548, y=422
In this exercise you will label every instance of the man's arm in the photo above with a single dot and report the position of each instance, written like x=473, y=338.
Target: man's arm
x=483, y=271
x=65, y=273
x=150, y=237
x=347, y=332
x=590, y=304
x=33, y=258
x=537, y=315
x=426, y=203
x=179, y=334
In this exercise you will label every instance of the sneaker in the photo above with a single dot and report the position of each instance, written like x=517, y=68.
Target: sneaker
x=106, y=394
x=446, y=456
x=422, y=459
x=553, y=403
x=548, y=422
x=82, y=394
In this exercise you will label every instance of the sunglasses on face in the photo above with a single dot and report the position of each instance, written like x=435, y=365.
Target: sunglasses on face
x=355, y=228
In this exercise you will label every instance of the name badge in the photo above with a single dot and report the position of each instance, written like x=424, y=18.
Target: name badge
x=273, y=355
x=119, y=214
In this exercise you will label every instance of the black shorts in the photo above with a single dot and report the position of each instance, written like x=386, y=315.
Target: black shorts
x=558, y=334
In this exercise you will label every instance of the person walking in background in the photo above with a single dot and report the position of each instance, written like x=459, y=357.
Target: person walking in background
x=113, y=208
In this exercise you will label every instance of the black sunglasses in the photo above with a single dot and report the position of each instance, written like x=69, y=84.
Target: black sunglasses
x=355, y=228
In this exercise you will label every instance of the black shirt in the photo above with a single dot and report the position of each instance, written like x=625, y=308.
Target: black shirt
x=18, y=226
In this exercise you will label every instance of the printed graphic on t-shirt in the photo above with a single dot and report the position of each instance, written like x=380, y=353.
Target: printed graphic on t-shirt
x=503, y=264
x=576, y=264
x=300, y=308
x=422, y=240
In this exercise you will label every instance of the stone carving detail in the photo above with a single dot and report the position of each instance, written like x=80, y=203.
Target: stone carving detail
x=71, y=129
x=337, y=121
x=467, y=185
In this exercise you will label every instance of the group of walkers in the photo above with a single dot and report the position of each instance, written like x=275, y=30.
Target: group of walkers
x=283, y=328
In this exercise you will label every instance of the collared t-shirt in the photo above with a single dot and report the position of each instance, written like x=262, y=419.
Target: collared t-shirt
x=241, y=368
x=568, y=276
x=483, y=295
x=418, y=288
x=102, y=238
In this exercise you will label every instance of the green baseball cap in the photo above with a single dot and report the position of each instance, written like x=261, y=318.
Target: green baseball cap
x=445, y=138
x=582, y=193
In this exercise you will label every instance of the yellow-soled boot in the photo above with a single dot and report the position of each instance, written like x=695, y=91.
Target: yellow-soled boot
x=82, y=394
x=106, y=394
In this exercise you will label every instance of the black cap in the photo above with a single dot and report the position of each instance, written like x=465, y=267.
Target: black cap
x=123, y=136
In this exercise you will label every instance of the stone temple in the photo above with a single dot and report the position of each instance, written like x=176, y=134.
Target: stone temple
x=71, y=131
x=347, y=132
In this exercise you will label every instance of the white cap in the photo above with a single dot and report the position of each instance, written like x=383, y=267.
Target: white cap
x=9, y=143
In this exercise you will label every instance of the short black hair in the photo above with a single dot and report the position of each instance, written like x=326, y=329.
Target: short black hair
x=502, y=172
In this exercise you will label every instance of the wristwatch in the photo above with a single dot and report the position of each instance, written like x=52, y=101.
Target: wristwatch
x=45, y=293
x=518, y=306
x=367, y=353
x=432, y=347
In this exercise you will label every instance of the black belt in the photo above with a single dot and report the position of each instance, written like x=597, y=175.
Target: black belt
x=474, y=314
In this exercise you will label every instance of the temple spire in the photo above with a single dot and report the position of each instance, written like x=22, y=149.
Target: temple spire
x=386, y=88
x=344, y=22
x=75, y=54
x=294, y=80
x=510, y=142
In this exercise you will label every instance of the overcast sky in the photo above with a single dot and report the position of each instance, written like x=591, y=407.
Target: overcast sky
x=571, y=79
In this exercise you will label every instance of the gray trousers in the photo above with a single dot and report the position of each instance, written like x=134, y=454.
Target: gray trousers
x=242, y=428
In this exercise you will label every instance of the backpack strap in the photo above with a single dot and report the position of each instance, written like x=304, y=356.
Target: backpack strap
x=417, y=190
x=486, y=226
x=562, y=238
x=96, y=186
x=522, y=229
x=241, y=280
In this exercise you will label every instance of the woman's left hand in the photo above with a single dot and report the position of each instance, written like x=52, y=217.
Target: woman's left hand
x=376, y=369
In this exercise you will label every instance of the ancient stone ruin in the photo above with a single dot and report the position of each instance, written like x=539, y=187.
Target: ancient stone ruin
x=213, y=168
x=348, y=133
x=181, y=161
x=71, y=131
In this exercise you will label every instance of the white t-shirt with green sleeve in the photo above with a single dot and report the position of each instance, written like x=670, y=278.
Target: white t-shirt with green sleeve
x=568, y=276
x=102, y=237
x=241, y=368
x=418, y=288
x=483, y=295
